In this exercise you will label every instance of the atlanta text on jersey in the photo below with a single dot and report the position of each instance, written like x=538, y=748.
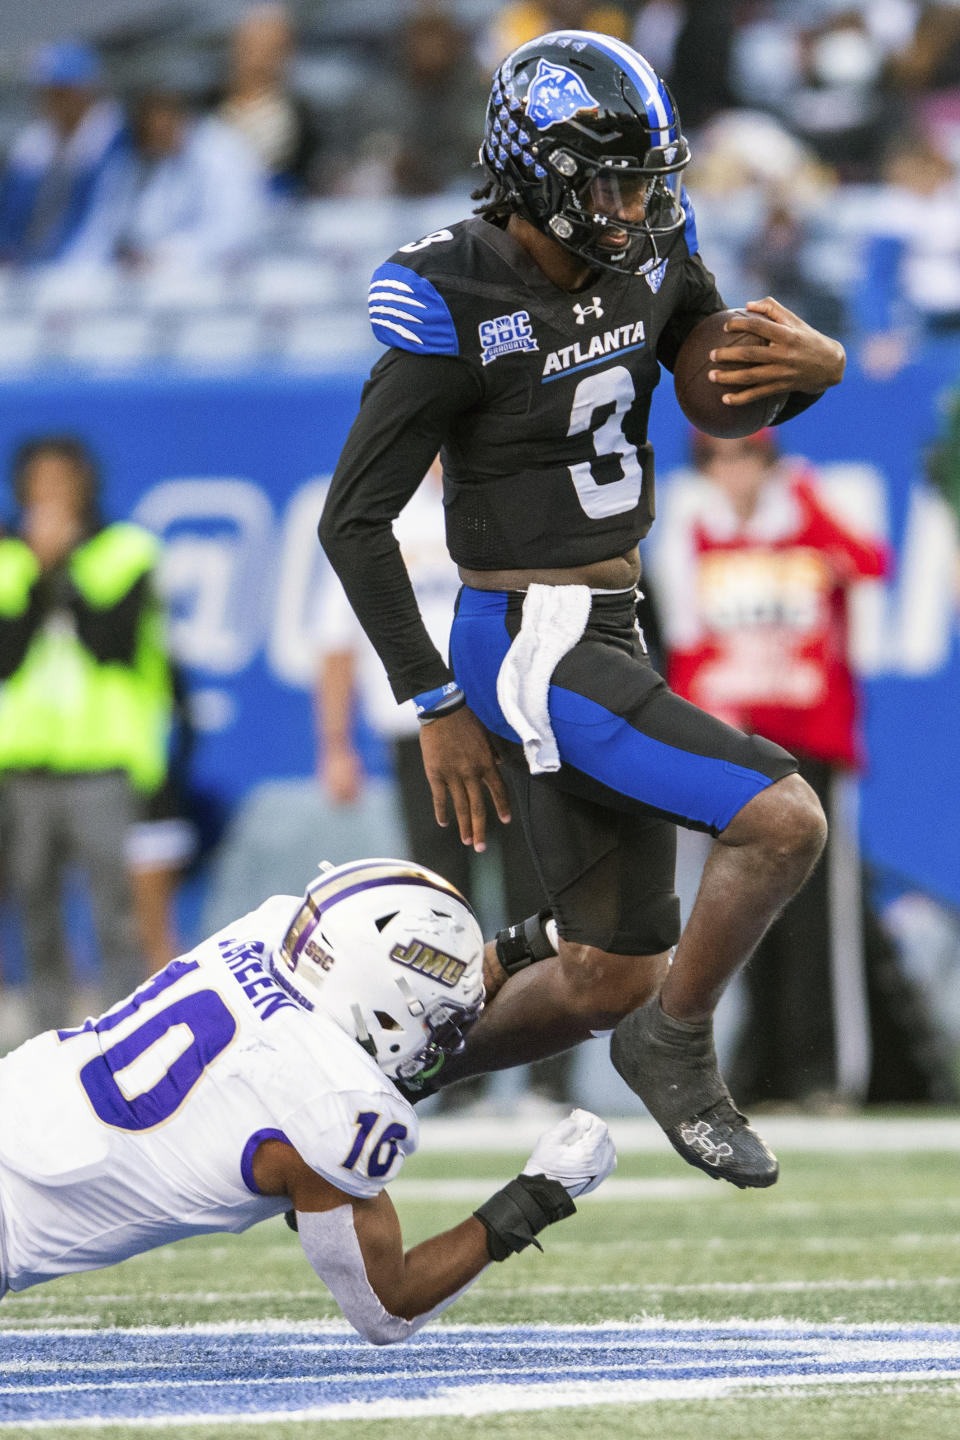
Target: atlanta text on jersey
x=570, y=357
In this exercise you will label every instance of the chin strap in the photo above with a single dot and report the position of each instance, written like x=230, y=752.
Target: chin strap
x=364, y=1038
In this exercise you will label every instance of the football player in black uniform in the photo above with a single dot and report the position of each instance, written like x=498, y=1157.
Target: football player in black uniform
x=525, y=344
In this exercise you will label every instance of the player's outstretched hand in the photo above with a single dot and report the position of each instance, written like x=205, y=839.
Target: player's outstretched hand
x=797, y=357
x=458, y=756
x=577, y=1151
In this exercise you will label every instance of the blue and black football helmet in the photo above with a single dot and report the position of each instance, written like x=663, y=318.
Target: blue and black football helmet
x=583, y=139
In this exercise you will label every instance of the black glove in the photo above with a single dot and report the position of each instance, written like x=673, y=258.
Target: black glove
x=515, y=1215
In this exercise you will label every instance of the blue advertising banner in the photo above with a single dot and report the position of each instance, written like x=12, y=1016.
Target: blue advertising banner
x=230, y=472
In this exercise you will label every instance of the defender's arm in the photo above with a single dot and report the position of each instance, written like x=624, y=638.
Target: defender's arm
x=356, y=1248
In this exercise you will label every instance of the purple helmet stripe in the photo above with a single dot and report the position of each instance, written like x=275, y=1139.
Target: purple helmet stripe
x=384, y=880
x=395, y=872
x=322, y=904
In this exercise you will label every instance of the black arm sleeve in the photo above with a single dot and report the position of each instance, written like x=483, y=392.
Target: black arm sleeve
x=700, y=299
x=408, y=405
x=110, y=634
x=17, y=631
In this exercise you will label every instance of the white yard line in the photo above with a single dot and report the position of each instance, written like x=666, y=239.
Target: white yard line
x=850, y=1133
x=201, y=1297
x=780, y=1346
x=732, y=1287
x=420, y=1373
x=546, y=1332
x=722, y=1287
x=479, y=1187
x=499, y=1399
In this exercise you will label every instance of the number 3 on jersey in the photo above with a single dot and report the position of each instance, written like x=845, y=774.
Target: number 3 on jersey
x=594, y=392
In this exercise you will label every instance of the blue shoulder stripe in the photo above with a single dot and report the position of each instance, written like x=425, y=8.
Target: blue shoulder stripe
x=690, y=224
x=407, y=312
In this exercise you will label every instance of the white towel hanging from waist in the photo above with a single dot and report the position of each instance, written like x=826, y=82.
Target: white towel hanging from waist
x=554, y=618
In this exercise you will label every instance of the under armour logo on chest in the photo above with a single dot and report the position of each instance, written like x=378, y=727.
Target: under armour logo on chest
x=582, y=311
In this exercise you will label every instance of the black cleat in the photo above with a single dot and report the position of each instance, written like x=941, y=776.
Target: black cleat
x=723, y=1144
x=672, y=1066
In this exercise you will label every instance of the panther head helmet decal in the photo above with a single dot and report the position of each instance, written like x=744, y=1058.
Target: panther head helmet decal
x=557, y=94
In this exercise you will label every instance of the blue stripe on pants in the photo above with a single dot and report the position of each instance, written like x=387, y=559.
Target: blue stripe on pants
x=608, y=748
x=704, y=789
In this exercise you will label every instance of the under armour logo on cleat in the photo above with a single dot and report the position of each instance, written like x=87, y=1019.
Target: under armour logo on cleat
x=582, y=311
x=699, y=1138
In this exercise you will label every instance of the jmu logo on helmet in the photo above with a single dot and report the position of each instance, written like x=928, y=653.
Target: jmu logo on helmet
x=426, y=959
x=557, y=94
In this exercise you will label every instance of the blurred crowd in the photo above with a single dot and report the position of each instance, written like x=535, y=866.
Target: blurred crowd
x=825, y=133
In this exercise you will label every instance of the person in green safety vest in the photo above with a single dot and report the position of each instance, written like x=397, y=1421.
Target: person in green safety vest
x=84, y=711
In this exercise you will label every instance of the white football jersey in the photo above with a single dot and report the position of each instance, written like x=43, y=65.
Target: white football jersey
x=140, y=1127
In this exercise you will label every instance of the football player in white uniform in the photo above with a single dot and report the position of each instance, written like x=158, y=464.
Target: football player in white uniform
x=254, y=1076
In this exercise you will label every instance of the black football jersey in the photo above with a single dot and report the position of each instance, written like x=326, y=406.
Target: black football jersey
x=549, y=467
x=536, y=398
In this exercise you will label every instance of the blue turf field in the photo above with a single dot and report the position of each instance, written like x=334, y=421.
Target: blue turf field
x=176, y=1376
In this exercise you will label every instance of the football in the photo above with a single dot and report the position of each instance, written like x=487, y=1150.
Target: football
x=700, y=398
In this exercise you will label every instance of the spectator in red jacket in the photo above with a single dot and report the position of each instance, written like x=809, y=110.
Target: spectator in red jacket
x=763, y=640
x=755, y=579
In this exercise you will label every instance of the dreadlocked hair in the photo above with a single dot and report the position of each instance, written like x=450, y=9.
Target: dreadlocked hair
x=500, y=203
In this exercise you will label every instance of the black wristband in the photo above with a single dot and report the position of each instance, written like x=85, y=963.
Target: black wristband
x=524, y=944
x=515, y=1215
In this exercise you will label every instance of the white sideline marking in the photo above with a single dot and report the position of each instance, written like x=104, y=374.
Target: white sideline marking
x=863, y=1207
x=721, y=1287
x=780, y=1348
x=83, y=1322
x=812, y=1244
x=422, y=1372
x=473, y=1401
x=732, y=1287
x=478, y=1188
x=791, y=1331
x=857, y=1134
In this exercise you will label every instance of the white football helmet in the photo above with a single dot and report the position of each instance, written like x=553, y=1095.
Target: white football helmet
x=393, y=953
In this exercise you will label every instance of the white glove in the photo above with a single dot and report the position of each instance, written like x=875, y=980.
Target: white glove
x=577, y=1151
